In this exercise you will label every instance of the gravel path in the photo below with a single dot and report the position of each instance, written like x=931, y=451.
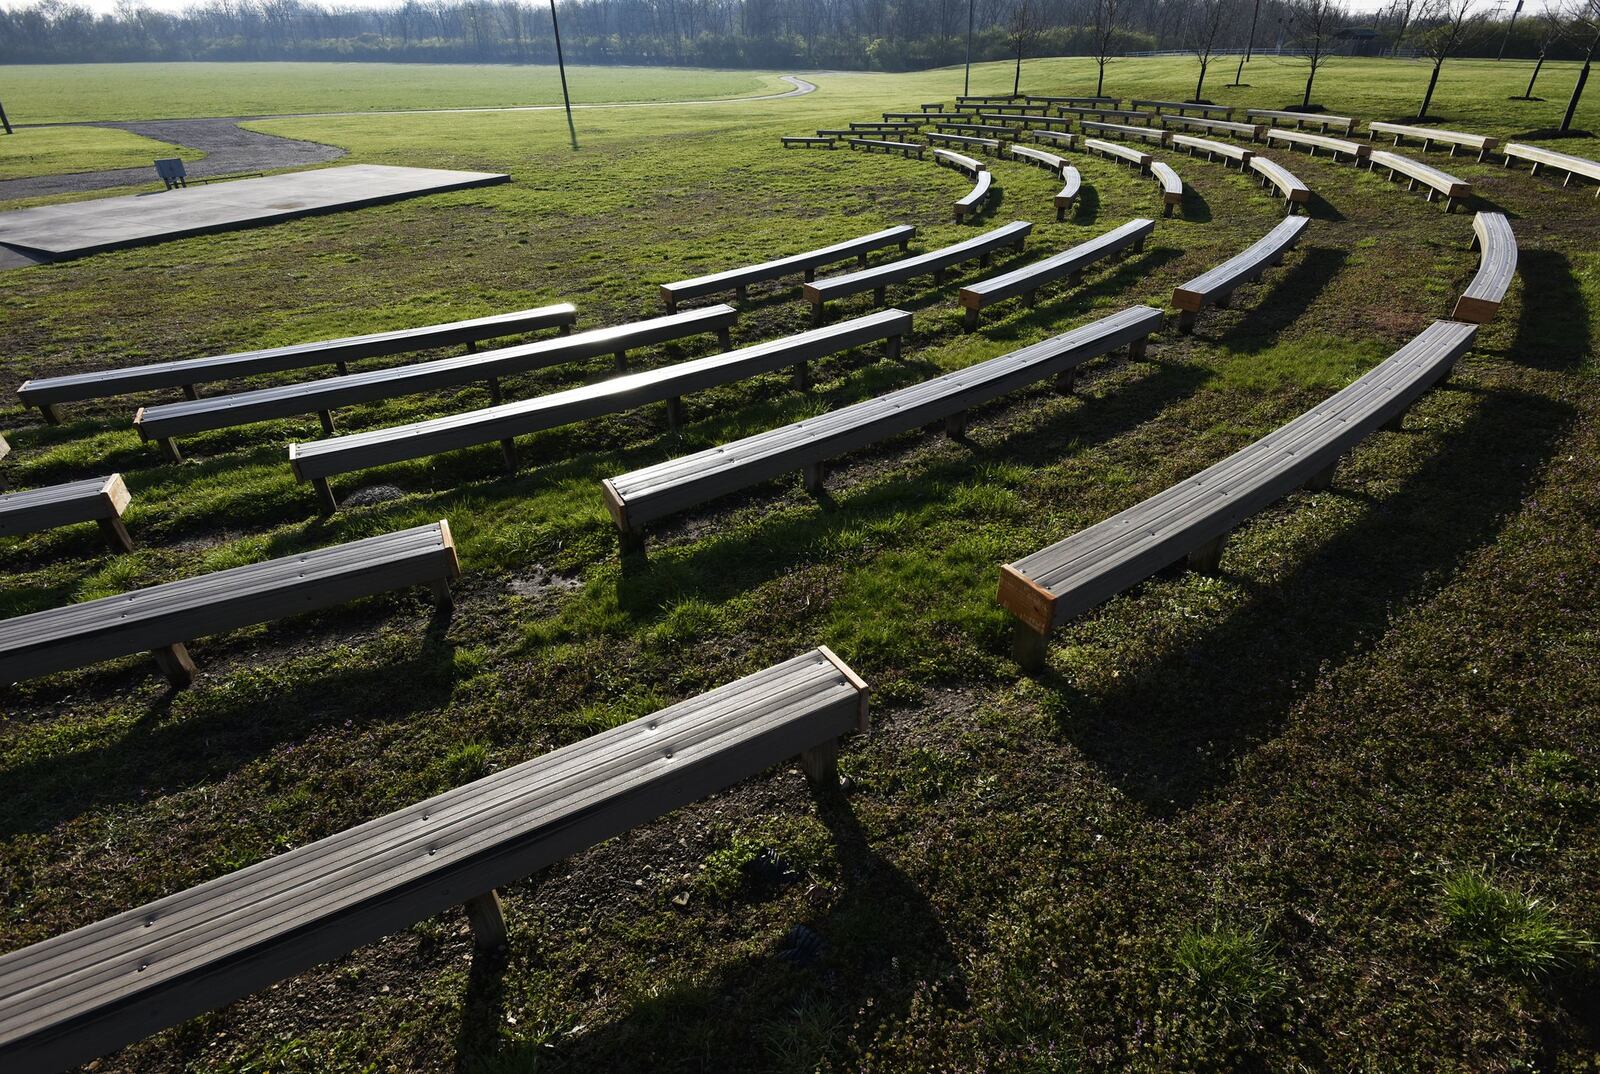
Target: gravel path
x=231, y=150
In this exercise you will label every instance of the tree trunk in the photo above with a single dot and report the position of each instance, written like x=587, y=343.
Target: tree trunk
x=1306, y=101
x=1577, y=94
x=1427, y=98
x=1201, y=84
x=1535, y=76
x=1016, y=83
x=1100, y=86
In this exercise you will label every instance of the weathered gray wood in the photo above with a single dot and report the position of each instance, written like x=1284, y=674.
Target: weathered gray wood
x=1158, y=135
x=1454, y=190
x=97, y=499
x=1548, y=158
x=905, y=149
x=1357, y=151
x=972, y=202
x=934, y=262
x=1252, y=131
x=1214, y=286
x=1428, y=135
x=1497, y=264
x=1109, y=102
x=1302, y=119
x=655, y=492
x=84, y=993
x=1236, y=153
x=162, y=616
x=960, y=162
x=807, y=142
x=1065, y=579
x=1185, y=107
x=1121, y=153
x=807, y=262
x=1171, y=186
x=1290, y=189
x=309, y=397
x=988, y=145
x=1028, y=279
x=185, y=374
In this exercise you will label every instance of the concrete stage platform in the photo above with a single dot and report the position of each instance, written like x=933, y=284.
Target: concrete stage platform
x=60, y=232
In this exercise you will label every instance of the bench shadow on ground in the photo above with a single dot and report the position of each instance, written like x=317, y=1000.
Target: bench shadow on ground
x=159, y=755
x=1280, y=301
x=1320, y=208
x=1086, y=207
x=881, y=940
x=1552, y=332
x=1194, y=208
x=1172, y=731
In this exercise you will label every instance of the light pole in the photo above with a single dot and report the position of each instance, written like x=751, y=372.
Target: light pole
x=561, y=63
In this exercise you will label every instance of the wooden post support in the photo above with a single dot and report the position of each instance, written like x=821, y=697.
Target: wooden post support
x=891, y=348
x=675, y=413
x=175, y=664
x=343, y=368
x=969, y=319
x=495, y=395
x=724, y=338
x=1207, y=559
x=1396, y=423
x=802, y=376
x=116, y=533
x=1137, y=348
x=1029, y=647
x=508, y=455
x=630, y=542
x=325, y=495
x=51, y=412
x=1186, y=321
x=622, y=360
x=488, y=921
x=955, y=426
x=326, y=417
x=740, y=292
x=189, y=392
x=442, y=599
x=1323, y=479
x=813, y=474
x=169, y=448
x=880, y=295
x=816, y=313
x=821, y=763
x=1066, y=381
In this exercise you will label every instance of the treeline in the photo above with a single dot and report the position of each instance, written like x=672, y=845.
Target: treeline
x=890, y=35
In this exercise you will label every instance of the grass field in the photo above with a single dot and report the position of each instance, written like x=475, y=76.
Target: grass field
x=1335, y=809
x=54, y=150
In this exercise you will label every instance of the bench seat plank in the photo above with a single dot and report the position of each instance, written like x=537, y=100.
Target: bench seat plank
x=1214, y=286
x=321, y=459
x=806, y=141
x=1428, y=135
x=971, y=203
x=1226, y=150
x=667, y=488
x=1314, y=142
x=1158, y=135
x=96, y=499
x=1171, y=186
x=47, y=393
x=1438, y=182
x=807, y=263
x=165, y=423
x=1067, y=578
x=84, y=993
x=1289, y=187
x=1027, y=280
x=1182, y=107
x=1540, y=157
x=1497, y=247
x=1252, y=131
x=878, y=278
x=1060, y=138
x=1322, y=121
x=959, y=161
x=176, y=612
x=1109, y=102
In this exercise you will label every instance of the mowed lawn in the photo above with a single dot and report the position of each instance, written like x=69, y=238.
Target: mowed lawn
x=1336, y=808
x=55, y=150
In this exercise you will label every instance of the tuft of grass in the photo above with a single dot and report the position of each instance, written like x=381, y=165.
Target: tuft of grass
x=1505, y=930
x=1232, y=970
x=465, y=764
x=725, y=871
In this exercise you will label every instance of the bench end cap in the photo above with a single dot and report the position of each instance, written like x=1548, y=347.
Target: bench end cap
x=864, y=719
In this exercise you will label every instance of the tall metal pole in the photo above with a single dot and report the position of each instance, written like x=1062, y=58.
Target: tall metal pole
x=561, y=63
x=966, y=84
x=1510, y=26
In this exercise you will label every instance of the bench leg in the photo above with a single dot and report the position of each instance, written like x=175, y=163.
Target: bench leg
x=326, y=416
x=891, y=348
x=812, y=474
x=621, y=359
x=630, y=542
x=325, y=495
x=955, y=426
x=821, y=763
x=1066, y=381
x=1207, y=559
x=116, y=533
x=508, y=455
x=861, y=260
x=496, y=396
x=1137, y=348
x=724, y=339
x=880, y=295
x=169, y=448
x=816, y=314
x=1450, y=205
x=740, y=292
x=1322, y=481
x=969, y=319
x=1186, y=321
x=175, y=664
x=343, y=368
x=1029, y=647
x=1396, y=423
x=189, y=393
x=675, y=413
x=566, y=329
x=51, y=412
x=802, y=376
x=487, y=920
x=442, y=599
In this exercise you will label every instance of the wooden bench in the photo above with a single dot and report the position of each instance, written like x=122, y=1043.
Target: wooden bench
x=878, y=278
x=1549, y=158
x=993, y=98
x=1356, y=151
x=1109, y=102
x=988, y=145
x=1302, y=119
x=932, y=106
x=905, y=149
x=1212, y=149
x=1031, y=122
x=1158, y=135
x=959, y=161
x=914, y=119
x=98, y=499
x=5, y=448
x=972, y=202
x=162, y=619
x=1419, y=174
x=87, y=992
x=1016, y=109
x=1121, y=153
x=1071, y=183
x=1216, y=286
x=1061, y=138
x=1183, y=108
x=1497, y=264
x=1428, y=135
x=47, y=394
x=1068, y=264
x=1252, y=131
x=979, y=130
x=655, y=492
x=164, y=424
x=1107, y=114
x=1171, y=186
x=320, y=460
x=1191, y=520
x=807, y=263
x=790, y=141
x=1039, y=157
x=1290, y=189
x=886, y=127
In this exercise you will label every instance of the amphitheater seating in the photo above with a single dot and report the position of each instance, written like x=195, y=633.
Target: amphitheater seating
x=47, y=394
x=320, y=460
x=1192, y=518
x=1066, y=141
x=972, y=202
x=807, y=263
x=993, y=98
x=978, y=130
x=164, y=424
x=905, y=149
x=1171, y=186
x=100, y=500
x=1497, y=264
x=656, y=492
x=1071, y=183
x=1215, y=287
x=1313, y=142
x=161, y=620
x=1016, y=109
x=1030, y=122
x=1120, y=153
x=1290, y=189
x=1029, y=155
x=1213, y=149
x=1548, y=158
x=1252, y=131
x=932, y=106
x=1106, y=115
x=960, y=162
x=803, y=141
x=988, y=145
x=1428, y=135
x=1183, y=108
x=886, y=127
x=1438, y=183
x=1068, y=264
x=878, y=278
x=82, y=994
x=1109, y=102
x=914, y=119
x=1301, y=120
x=1158, y=135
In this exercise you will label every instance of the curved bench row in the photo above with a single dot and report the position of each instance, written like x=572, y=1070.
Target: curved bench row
x=1215, y=287
x=1071, y=263
x=101, y=500
x=933, y=263
x=1497, y=264
x=807, y=263
x=1192, y=519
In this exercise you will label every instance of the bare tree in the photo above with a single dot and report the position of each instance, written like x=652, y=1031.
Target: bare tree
x=1314, y=27
x=1249, y=44
x=1207, y=20
x=1400, y=12
x=1108, y=18
x=1583, y=20
x=1022, y=29
x=1550, y=26
x=1442, y=29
